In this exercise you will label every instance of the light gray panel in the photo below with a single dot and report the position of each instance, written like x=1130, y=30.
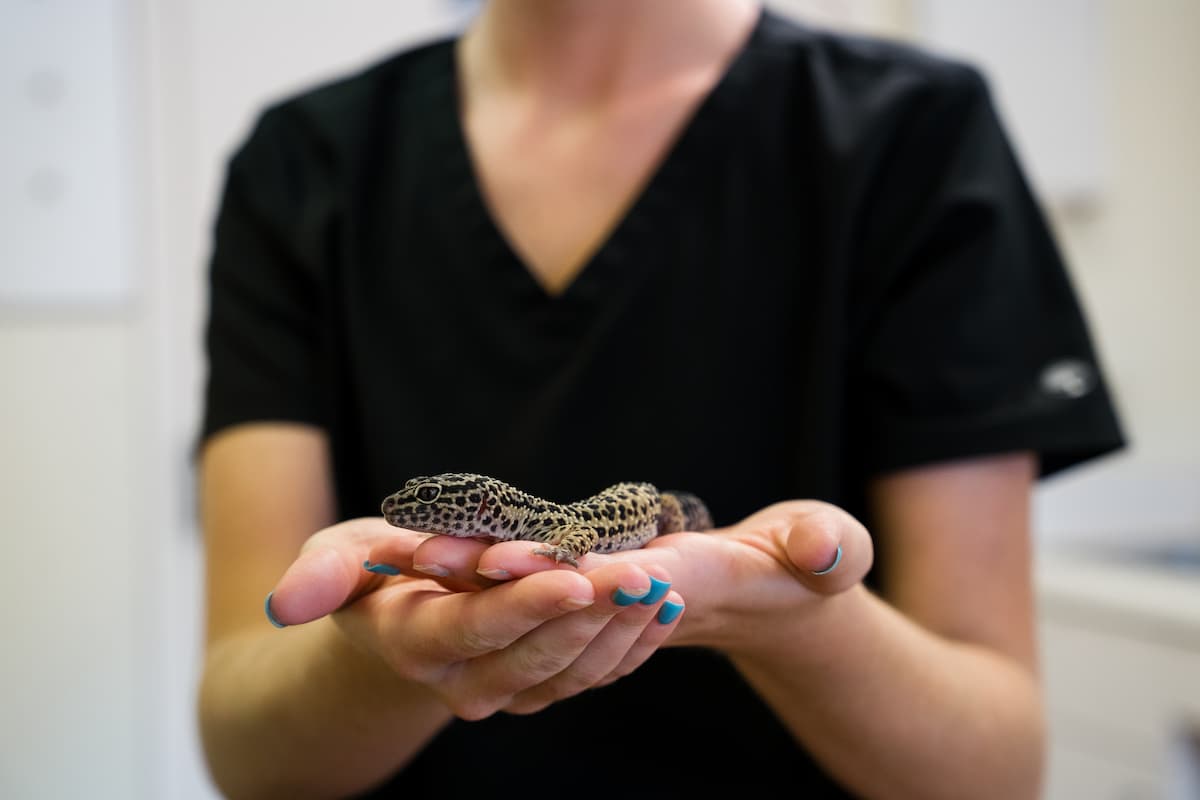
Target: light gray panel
x=64, y=170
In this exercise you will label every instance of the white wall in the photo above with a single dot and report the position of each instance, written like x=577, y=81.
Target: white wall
x=75, y=606
x=80, y=668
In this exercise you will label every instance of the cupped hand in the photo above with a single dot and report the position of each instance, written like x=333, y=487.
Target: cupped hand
x=741, y=583
x=481, y=643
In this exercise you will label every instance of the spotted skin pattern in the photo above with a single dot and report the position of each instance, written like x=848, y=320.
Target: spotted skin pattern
x=621, y=517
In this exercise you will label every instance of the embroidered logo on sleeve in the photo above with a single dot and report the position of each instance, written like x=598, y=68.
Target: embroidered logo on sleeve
x=1068, y=379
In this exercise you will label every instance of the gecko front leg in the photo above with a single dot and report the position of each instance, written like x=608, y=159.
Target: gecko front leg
x=568, y=543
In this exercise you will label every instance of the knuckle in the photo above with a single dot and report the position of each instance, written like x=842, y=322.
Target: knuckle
x=535, y=659
x=827, y=520
x=326, y=537
x=565, y=684
x=624, y=668
x=574, y=680
x=416, y=667
x=616, y=675
x=475, y=708
x=407, y=668
x=817, y=517
x=473, y=640
x=825, y=513
x=425, y=672
x=633, y=659
x=631, y=622
x=527, y=705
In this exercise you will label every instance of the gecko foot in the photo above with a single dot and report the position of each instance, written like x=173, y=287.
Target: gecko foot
x=559, y=554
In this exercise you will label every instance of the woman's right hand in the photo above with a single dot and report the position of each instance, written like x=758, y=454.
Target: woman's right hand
x=482, y=645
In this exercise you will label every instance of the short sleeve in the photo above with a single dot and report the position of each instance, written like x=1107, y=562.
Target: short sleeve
x=970, y=338
x=264, y=334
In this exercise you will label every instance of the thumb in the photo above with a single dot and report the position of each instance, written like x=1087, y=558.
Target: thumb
x=328, y=574
x=830, y=549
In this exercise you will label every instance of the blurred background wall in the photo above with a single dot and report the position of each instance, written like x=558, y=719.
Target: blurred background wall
x=116, y=117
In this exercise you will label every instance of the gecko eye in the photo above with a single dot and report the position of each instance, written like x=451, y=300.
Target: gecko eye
x=428, y=492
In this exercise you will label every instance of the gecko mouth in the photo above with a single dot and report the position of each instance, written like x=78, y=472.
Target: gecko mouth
x=484, y=501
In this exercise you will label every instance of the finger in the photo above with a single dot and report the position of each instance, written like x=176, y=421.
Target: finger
x=626, y=641
x=516, y=559
x=554, y=646
x=653, y=635
x=449, y=560
x=328, y=572
x=470, y=625
x=831, y=550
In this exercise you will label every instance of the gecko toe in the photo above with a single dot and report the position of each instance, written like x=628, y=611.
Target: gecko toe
x=560, y=555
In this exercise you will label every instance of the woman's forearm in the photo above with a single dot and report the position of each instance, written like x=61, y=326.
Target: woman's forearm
x=301, y=712
x=895, y=711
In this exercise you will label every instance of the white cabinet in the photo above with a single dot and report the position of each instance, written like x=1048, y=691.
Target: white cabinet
x=1121, y=664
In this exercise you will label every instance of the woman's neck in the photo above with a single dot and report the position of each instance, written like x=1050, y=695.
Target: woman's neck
x=586, y=51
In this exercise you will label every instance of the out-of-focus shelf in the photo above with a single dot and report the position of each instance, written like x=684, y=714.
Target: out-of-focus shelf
x=1120, y=642
x=1155, y=593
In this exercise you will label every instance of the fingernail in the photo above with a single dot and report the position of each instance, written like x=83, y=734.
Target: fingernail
x=380, y=569
x=270, y=614
x=837, y=559
x=668, y=611
x=624, y=598
x=432, y=569
x=658, y=590
x=495, y=574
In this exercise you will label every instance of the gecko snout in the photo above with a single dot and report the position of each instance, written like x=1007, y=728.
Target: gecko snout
x=388, y=505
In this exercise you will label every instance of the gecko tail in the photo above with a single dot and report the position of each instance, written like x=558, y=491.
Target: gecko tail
x=683, y=511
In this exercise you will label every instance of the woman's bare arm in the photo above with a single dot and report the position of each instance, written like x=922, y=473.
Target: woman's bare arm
x=300, y=711
x=933, y=693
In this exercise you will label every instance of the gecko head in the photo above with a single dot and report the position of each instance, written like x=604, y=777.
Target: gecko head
x=445, y=503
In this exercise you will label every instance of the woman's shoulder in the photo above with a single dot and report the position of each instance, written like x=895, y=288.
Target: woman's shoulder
x=342, y=112
x=382, y=82
x=849, y=68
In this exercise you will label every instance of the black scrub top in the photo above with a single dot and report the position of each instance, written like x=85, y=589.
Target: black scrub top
x=837, y=271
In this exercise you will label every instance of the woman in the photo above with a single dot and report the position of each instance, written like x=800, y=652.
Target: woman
x=797, y=274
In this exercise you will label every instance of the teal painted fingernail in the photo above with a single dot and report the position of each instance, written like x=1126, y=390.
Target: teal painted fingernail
x=270, y=615
x=624, y=598
x=658, y=590
x=837, y=559
x=669, y=611
x=380, y=569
